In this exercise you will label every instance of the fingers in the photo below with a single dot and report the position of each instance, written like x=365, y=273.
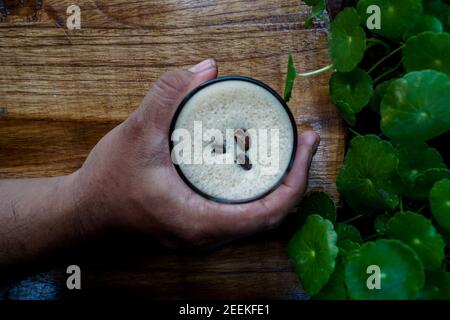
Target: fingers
x=298, y=176
x=270, y=210
x=159, y=105
x=202, y=66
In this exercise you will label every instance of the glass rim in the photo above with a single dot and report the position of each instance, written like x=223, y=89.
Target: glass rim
x=280, y=100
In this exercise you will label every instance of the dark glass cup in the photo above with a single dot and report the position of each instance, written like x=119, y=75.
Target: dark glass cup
x=282, y=103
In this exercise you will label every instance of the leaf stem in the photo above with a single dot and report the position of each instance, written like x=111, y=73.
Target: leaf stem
x=378, y=41
x=401, y=203
x=376, y=65
x=387, y=72
x=421, y=208
x=354, y=132
x=311, y=73
x=354, y=218
x=370, y=237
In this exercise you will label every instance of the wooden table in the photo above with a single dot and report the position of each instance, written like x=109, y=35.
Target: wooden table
x=61, y=91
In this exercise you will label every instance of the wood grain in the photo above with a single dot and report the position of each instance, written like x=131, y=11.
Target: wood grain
x=61, y=91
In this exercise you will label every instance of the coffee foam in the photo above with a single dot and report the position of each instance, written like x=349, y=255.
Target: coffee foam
x=235, y=104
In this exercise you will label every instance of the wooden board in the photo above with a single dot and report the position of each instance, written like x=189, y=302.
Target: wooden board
x=61, y=90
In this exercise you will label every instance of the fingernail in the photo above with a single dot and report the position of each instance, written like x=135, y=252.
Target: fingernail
x=202, y=66
x=311, y=139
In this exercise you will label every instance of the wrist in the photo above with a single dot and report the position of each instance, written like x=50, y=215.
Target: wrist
x=87, y=206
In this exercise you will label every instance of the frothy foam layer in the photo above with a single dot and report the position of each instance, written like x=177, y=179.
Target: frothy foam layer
x=237, y=104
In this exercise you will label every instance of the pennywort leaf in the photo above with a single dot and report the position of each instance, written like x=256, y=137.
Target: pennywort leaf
x=397, y=17
x=401, y=271
x=347, y=40
x=313, y=252
x=437, y=286
x=415, y=107
x=350, y=92
x=378, y=95
x=349, y=239
x=419, y=168
x=426, y=23
x=440, y=203
x=365, y=179
x=428, y=50
x=335, y=287
x=346, y=246
x=415, y=158
x=418, y=233
x=425, y=181
x=316, y=203
x=443, y=232
x=347, y=232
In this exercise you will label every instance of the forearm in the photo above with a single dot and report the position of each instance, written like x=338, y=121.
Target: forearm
x=38, y=216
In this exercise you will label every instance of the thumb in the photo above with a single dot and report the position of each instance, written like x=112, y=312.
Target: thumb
x=159, y=105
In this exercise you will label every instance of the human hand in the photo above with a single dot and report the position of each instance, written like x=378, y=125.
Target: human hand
x=129, y=180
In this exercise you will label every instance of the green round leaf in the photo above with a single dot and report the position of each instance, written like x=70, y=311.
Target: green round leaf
x=335, y=287
x=402, y=273
x=415, y=159
x=354, y=89
x=347, y=40
x=378, y=95
x=421, y=187
x=316, y=203
x=437, y=286
x=348, y=245
x=345, y=246
x=365, y=179
x=426, y=23
x=440, y=203
x=346, y=111
x=397, y=17
x=415, y=107
x=428, y=50
x=313, y=252
x=419, y=233
x=380, y=223
x=419, y=168
x=444, y=233
x=347, y=232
